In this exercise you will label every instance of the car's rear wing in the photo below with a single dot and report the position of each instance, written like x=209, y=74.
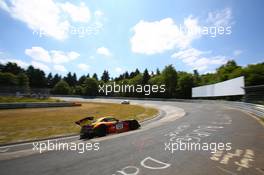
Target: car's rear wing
x=85, y=121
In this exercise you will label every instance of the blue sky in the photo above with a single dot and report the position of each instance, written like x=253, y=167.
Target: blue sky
x=122, y=35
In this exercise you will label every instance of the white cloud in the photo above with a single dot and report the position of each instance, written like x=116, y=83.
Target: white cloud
x=159, y=36
x=118, y=69
x=59, y=68
x=237, y=52
x=53, y=56
x=59, y=57
x=103, y=51
x=199, y=59
x=41, y=66
x=48, y=17
x=39, y=16
x=83, y=67
x=18, y=62
x=77, y=13
x=38, y=54
x=92, y=57
x=73, y=55
x=4, y=6
x=188, y=55
x=220, y=17
x=204, y=63
x=98, y=14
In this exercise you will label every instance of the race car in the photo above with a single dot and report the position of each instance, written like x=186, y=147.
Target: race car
x=127, y=102
x=104, y=126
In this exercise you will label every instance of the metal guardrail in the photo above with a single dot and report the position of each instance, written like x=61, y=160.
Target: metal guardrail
x=36, y=105
x=255, y=109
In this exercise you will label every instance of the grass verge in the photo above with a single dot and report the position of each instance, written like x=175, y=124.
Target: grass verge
x=38, y=123
x=10, y=99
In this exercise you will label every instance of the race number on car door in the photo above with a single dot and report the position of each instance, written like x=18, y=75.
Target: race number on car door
x=119, y=125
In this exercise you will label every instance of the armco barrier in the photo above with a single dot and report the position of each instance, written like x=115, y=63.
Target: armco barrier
x=36, y=105
x=255, y=109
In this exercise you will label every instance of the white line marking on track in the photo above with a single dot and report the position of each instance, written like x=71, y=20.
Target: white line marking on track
x=4, y=150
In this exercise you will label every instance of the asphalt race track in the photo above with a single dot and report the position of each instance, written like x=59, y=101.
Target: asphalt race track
x=153, y=148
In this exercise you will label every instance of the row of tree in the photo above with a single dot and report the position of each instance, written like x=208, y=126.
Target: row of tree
x=178, y=83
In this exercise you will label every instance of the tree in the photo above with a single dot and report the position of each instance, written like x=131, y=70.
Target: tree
x=74, y=79
x=49, y=80
x=90, y=87
x=8, y=79
x=146, y=77
x=136, y=80
x=157, y=71
x=254, y=74
x=95, y=76
x=78, y=90
x=2, y=67
x=170, y=79
x=71, y=79
x=157, y=80
x=82, y=79
x=185, y=84
x=208, y=78
x=121, y=77
x=62, y=87
x=196, y=77
x=55, y=80
x=12, y=68
x=105, y=77
x=224, y=72
x=137, y=72
x=36, y=77
x=132, y=74
x=23, y=81
x=126, y=75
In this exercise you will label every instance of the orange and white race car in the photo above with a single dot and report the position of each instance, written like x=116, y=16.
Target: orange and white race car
x=104, y=126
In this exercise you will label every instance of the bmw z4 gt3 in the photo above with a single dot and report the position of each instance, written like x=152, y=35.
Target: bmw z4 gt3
x=104, y=126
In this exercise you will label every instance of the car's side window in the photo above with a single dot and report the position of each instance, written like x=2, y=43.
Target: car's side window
x=105, y=120
x=111, y=120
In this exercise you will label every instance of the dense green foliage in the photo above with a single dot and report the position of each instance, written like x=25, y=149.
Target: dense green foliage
x=62, y=87
x=178, y=84
x=90, y=87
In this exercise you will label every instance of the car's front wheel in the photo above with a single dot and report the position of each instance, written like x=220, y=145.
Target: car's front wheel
x=133, y=124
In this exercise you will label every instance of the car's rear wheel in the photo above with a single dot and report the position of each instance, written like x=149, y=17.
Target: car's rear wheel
x=85, y=134
x=101, y=131
x=133, y=124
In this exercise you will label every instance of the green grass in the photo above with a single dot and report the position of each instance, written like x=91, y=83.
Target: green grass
x=37, y=123
x=10, y=99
